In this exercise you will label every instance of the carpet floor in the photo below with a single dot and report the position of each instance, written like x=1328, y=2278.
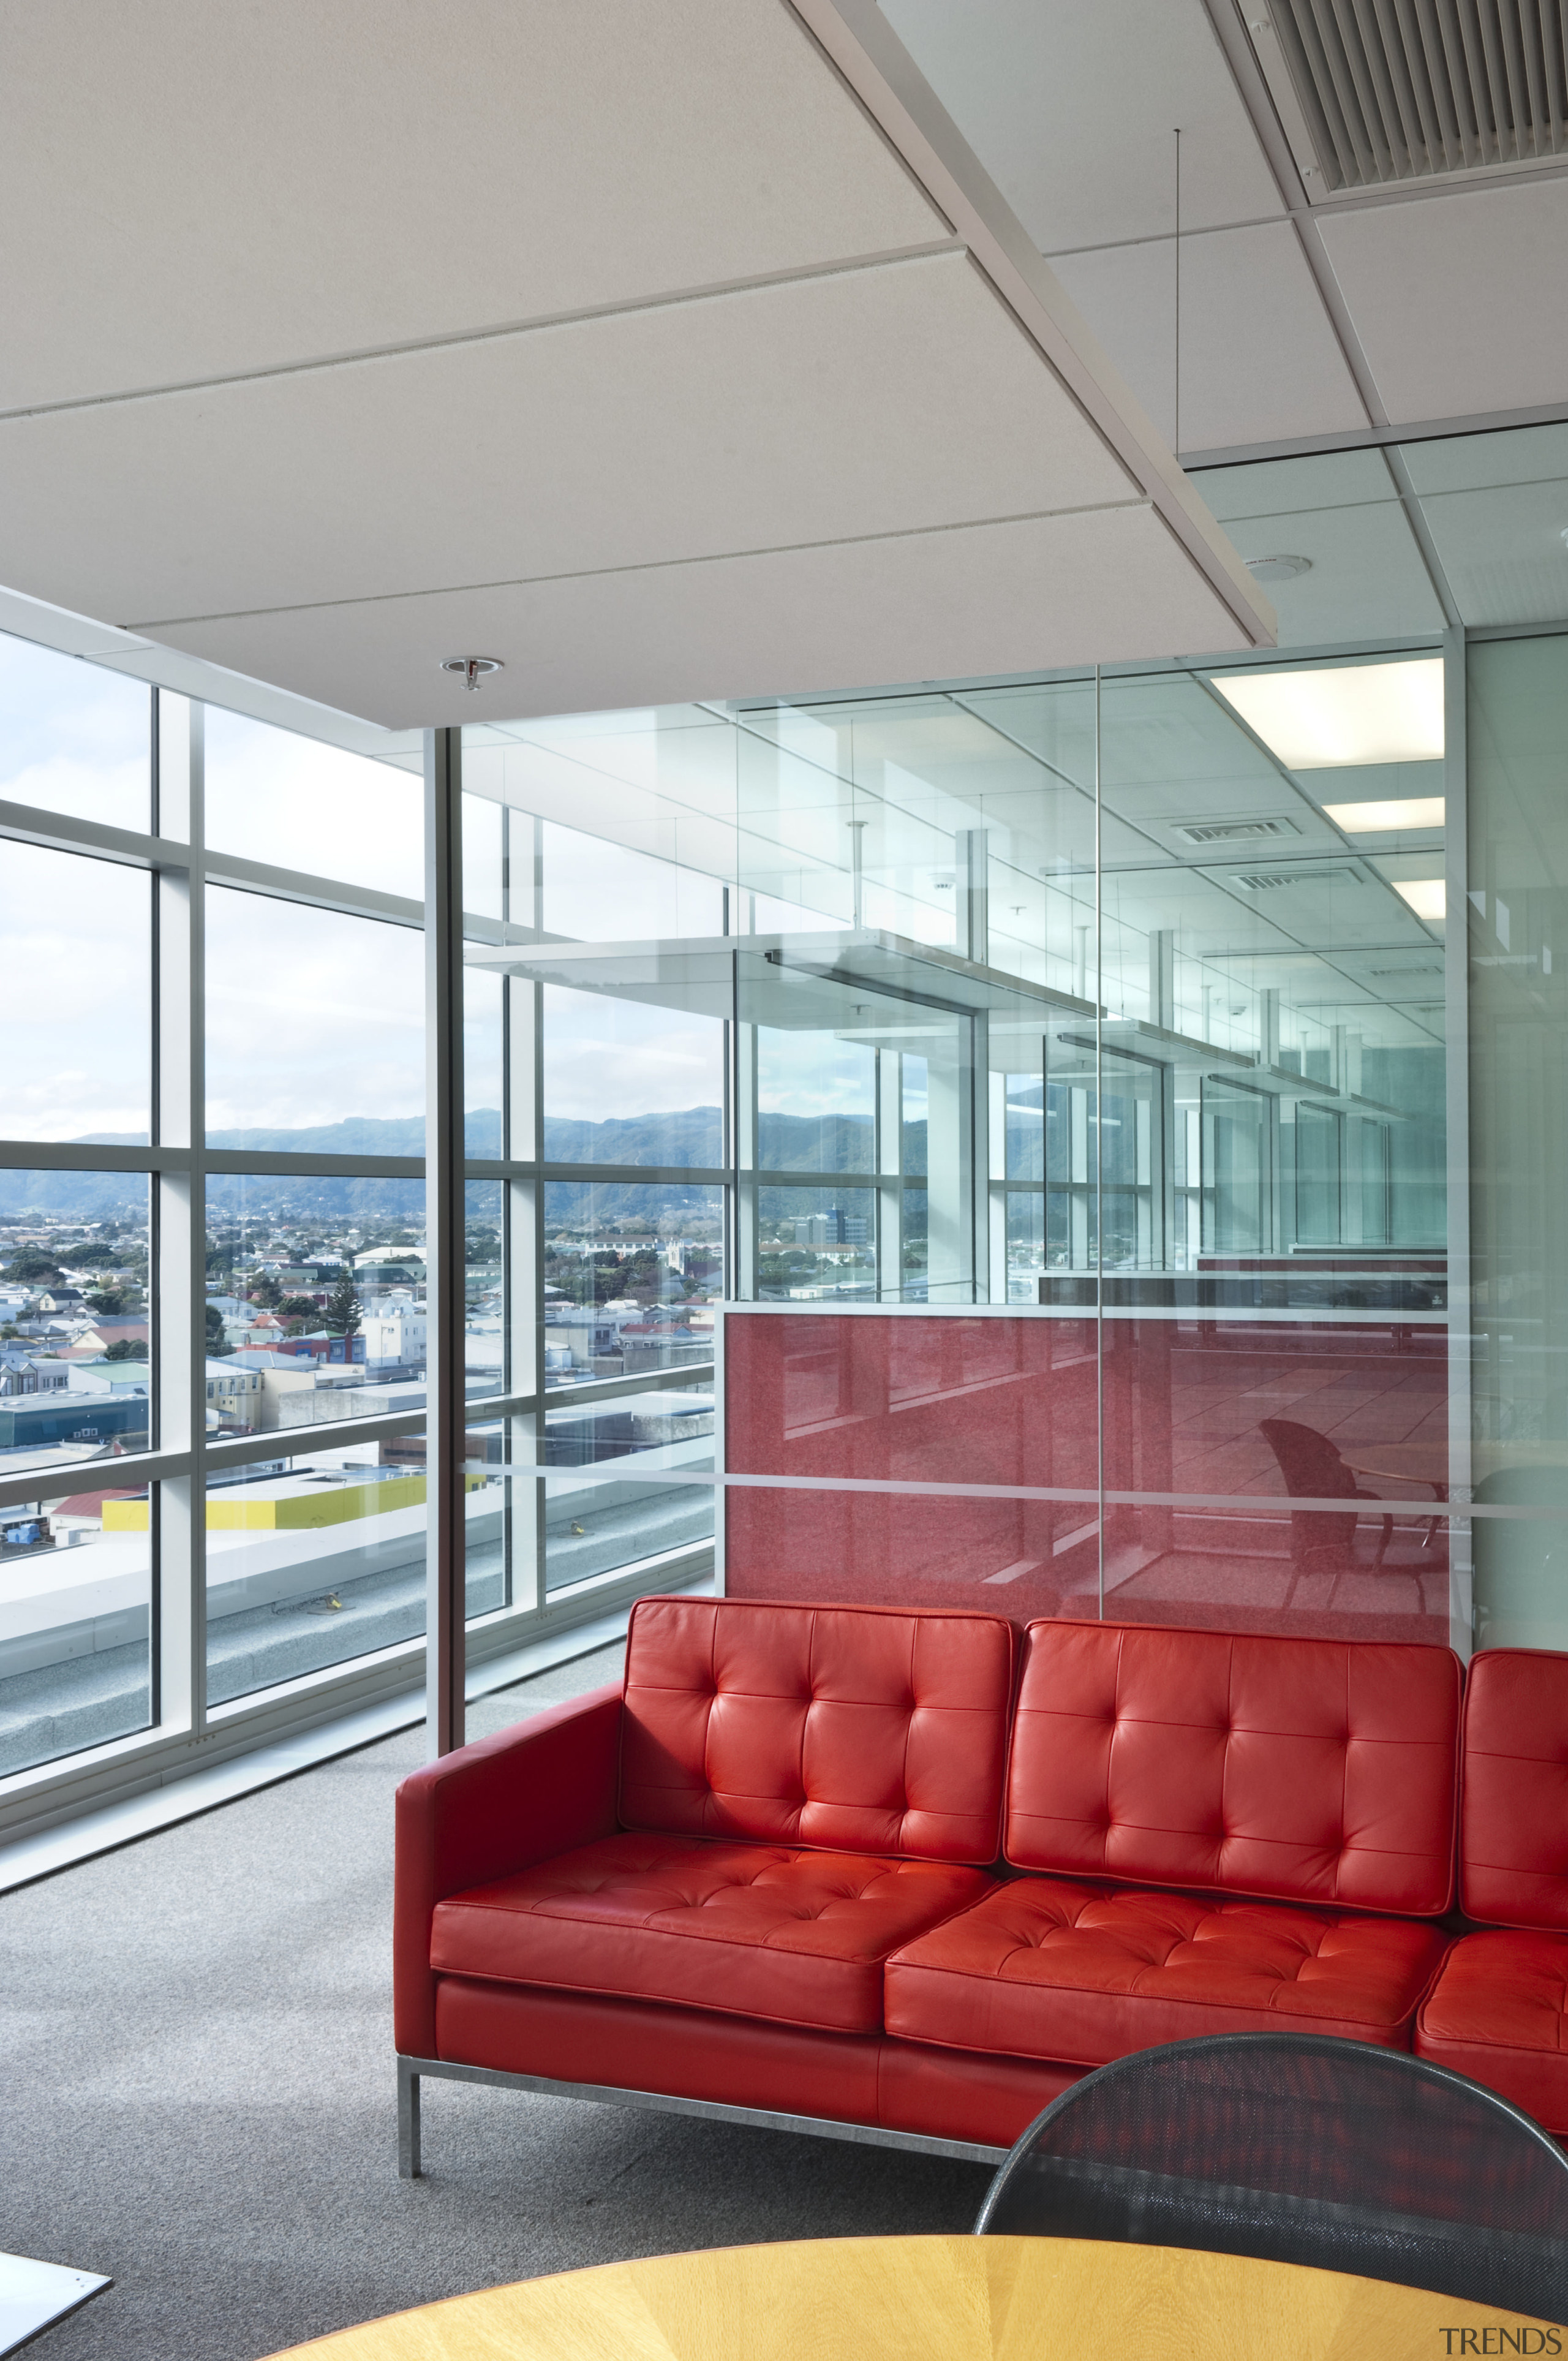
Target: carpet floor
x=198, y=2098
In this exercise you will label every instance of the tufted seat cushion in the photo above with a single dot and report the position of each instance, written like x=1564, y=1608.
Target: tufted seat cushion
x=859, y=1730
x=755, y=1931
x=1045, y=1968
x=1499, y=2013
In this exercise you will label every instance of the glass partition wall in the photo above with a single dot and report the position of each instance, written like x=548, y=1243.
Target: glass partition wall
x=1009, y=1143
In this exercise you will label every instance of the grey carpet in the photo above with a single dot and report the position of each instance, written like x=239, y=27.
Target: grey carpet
x=198, y=2098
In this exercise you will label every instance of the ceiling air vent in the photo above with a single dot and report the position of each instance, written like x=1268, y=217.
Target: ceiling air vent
x=1399, y=90
x=1267, y=881
x=1233, y=831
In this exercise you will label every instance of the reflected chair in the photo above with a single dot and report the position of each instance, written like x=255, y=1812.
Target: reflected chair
x=1301, y=2147
x=1314, y=1470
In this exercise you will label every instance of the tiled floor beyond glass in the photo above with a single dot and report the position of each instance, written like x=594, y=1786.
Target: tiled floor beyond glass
x=198, y=2098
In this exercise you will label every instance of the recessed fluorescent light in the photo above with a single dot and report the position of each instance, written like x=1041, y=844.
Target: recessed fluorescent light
x=1352, y=713
x=1376, y=819
x=1428, y=896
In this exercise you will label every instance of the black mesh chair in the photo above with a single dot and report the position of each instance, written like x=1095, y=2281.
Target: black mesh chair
x=1314, y=1470
x=1301, y=2149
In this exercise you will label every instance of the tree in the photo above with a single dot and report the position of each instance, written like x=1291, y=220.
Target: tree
x=127, y=1348
x=266, y=1292
x=33, y=1267
x=214, y=1326
x=297, y=1307
x=343, y=1308
x=110, y=1302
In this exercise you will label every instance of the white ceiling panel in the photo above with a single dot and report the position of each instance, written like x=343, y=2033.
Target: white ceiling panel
x=880, y=401
x=191, y=190
x=1457, y=300
x=1367, y=575
x=1503, y=551
x=1072, y=110
x=1259, y=359
x=1328, y=479
x=985, y=598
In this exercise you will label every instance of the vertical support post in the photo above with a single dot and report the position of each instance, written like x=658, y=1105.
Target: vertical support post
x=1162, y=978
x=179, y=1218
x=743, y=1143
x=446, y=1420
x=890, y=1165
x=1457, y=1000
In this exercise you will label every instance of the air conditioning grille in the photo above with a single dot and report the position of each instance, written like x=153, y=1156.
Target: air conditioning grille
x=1400, y=90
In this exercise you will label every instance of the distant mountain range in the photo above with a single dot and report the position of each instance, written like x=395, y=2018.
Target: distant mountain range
x=688, y=1137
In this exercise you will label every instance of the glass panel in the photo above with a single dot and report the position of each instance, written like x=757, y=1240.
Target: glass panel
x=297, y=804
x=1274, y=954
x=484, y=1060
x=597, y=891
x=627, y=1083
x=79, y=1040
x=1518, y=922
x=484, y=1288
x=75, y=1619
x=816, y=1103
x=75, y=1318
x=74, y=737
x=315, y=1029
x=818, y=1243
x=596, y=1525
x=315, y=1300
x=632, y=1275
x=311, y=1560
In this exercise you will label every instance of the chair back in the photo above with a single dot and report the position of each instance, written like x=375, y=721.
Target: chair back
x=1301, y=2149
x=1310, y=1466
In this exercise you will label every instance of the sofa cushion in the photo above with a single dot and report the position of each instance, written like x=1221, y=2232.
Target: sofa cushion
x=1043, y=1968
x=1513, y=1842
x=1499, y=2013
x=858, y=1730
x=1318, y=1771
x=755, y=1931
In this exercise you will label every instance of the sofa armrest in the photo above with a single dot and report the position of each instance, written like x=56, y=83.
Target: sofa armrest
x=496, y=1806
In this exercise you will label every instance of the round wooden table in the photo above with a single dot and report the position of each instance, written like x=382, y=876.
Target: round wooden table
x=958, y=2298
x=1403, y=1463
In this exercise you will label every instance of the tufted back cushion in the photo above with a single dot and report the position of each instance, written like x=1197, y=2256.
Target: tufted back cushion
x=855, y=1728
x=1513, y=1829
x=1300, y=1770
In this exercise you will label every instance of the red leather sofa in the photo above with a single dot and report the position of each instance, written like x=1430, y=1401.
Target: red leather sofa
x=1498, y=2010
x=858, y=1872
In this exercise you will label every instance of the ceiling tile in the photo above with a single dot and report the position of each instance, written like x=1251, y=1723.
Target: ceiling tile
x=1462, y=463
x=191, y=190
x=1097, y=586
x=866, y=403
x=1367, y=575
x=1331, y=479
x=1456, y=298
x=1259, y=360
x=1503, y=551
x=1072, y=110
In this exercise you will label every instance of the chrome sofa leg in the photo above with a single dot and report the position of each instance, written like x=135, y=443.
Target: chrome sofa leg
x=408, y=2121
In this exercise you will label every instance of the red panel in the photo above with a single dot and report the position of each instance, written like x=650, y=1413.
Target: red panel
x=1496, y=2013
x=849, y=1728
x=749, y=1929
x=1010, y=1401
x=961, y=2095
x=1042, y=1968
x=638, y=2046
x=1513, y=1846
x=497, y=1805
x=1309, y=1770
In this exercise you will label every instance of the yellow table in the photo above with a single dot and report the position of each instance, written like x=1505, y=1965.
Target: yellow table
x=960, y=2298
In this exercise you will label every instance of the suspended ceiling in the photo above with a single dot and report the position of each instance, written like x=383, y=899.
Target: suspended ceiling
x=656, y=352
